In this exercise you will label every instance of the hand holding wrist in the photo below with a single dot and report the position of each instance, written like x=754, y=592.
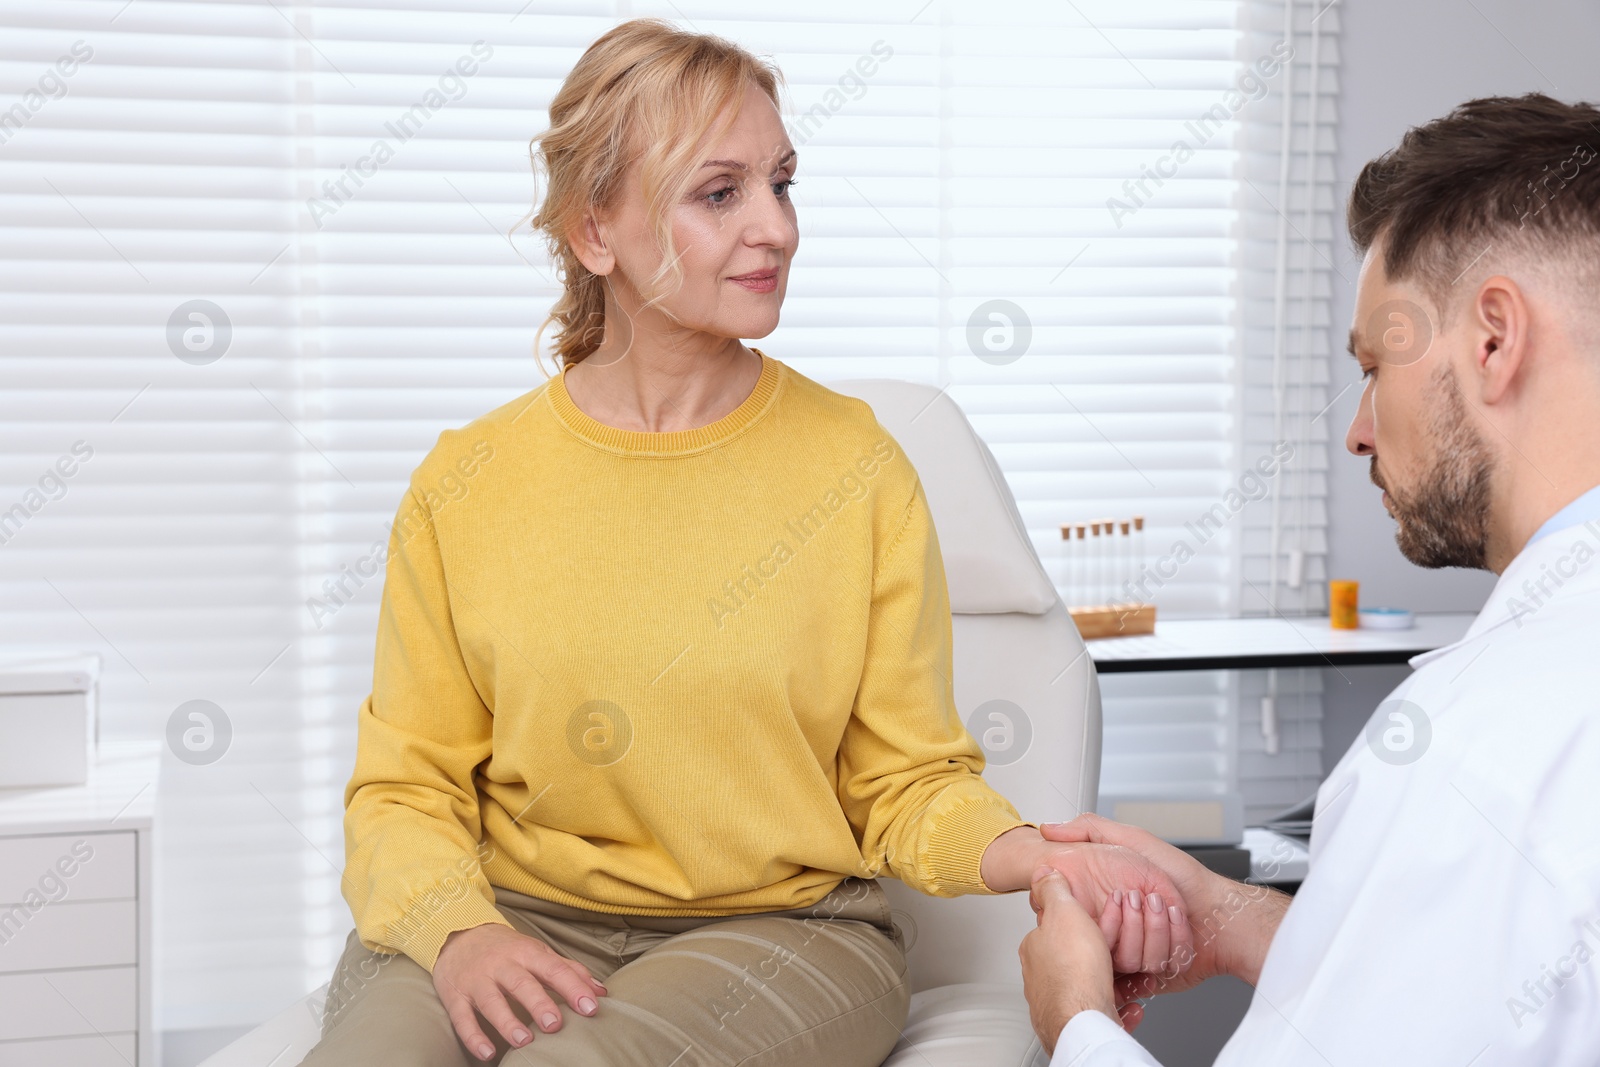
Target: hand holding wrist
x=1232, y=923
x=1066, y=969
x=1009, y=860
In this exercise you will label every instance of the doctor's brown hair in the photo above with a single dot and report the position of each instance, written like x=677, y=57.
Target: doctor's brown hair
x=1512, y=174
x=644, y=92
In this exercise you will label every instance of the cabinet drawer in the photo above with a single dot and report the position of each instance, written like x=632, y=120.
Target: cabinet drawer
x=110, y=1050
x=68, y=1003
x=103, y=933
x=67, y=867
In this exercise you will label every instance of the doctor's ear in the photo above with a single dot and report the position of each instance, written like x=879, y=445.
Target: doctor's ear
x=591, y=243
x=1500, y=317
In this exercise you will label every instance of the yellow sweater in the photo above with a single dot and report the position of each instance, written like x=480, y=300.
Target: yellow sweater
x=694, y=673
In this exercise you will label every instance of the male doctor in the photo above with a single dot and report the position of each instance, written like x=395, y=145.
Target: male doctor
x=1452, y=911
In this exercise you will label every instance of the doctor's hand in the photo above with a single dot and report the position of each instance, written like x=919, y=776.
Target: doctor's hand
x=1235, y=921
x=1065, y=966
x=1108, y=882
x=478, y=967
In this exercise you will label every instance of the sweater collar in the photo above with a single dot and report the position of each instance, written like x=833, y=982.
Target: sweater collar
x=677, y=442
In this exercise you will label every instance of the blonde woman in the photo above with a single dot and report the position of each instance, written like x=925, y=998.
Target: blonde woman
x=663, y=665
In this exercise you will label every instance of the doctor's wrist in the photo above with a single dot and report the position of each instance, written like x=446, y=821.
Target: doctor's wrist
x=1244, y=918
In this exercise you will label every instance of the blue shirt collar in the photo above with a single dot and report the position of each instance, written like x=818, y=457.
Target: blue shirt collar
x=1584, y=509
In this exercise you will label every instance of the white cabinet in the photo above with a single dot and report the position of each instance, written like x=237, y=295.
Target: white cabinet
x=75, y=916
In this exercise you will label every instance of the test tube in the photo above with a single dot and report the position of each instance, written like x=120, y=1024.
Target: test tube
x=1109, y=576
x=1066, y=559
x=1111, y=560
x=1100, y=562
x=1138, y=547
x=1092, y=567
x=1081, y=555
x=1109, y=594
x=1125, y=559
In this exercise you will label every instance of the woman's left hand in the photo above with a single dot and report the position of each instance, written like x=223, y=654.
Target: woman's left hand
x=1111, y=883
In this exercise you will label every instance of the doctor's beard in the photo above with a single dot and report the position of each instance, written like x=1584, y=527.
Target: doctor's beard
x=1444, y=522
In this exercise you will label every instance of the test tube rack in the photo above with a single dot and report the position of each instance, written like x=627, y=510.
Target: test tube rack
x=1104, y=558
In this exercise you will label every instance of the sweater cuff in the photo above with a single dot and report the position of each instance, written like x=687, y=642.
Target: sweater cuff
x=423, y=941
x=953, y=864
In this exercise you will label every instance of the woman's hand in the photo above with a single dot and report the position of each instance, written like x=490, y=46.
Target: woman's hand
x=477, y=968
x=1234, y=922
x=1110, y=882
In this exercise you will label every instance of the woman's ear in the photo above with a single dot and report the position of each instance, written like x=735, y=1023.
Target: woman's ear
x=591, y=246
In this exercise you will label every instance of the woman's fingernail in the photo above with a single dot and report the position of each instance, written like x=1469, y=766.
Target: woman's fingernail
x=549, y=1021
x=1154, y=900
x=485, y=1051
x=586, y=1005
x=1133, y=898
x=518, y=1036
x=1041, y=871
x=1116, y=898
x=1172, y=914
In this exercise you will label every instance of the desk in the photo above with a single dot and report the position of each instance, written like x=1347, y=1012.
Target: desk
x=76, y=966
x=1264, y=857
x=1276, y=859
x=1295, y=641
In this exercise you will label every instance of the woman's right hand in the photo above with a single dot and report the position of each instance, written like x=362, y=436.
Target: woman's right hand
x=479, y=968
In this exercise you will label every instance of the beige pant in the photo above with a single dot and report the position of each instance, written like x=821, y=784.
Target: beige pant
x=823, y=985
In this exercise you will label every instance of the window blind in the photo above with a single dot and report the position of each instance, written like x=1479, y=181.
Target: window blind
x=154, y=173
x=336, y=182
x=1288, y=226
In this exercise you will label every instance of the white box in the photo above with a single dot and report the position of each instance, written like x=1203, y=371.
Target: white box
x=48, y=726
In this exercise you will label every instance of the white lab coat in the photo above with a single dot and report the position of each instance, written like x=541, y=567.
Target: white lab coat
x=1452, y=910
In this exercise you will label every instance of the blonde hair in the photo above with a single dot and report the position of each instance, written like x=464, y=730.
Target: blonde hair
x=645, y=91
